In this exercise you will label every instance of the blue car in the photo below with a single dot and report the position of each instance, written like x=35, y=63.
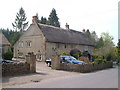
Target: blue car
x=70, y=59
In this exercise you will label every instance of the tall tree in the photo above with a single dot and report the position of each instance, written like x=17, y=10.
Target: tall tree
x=106, y=46
x=100, y=43
x=20, y=21
x=53, y=19
x=107, y=38
x=43, y=20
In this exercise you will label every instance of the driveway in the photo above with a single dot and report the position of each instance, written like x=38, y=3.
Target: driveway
x=43, y=73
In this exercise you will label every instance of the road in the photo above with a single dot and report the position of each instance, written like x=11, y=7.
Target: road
x=101, y=79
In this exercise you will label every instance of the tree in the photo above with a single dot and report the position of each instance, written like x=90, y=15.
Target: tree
x=100, y=43
x=43, y=20
x=107, y=38
x=20, y=21
x=53, y=19
x=105, y=46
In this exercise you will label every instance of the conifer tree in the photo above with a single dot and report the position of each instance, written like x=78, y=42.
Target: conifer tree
x=20, y=21
x=53, y=19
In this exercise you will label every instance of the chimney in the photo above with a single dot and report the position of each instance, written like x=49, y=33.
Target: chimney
x=83, y=30
x=67, y=26
x=34, y=20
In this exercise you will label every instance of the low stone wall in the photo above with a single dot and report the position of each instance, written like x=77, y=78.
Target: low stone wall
x=11, y=69
x=19, y=68
x=84, y=68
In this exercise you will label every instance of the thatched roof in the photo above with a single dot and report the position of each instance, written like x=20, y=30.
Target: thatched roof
x=3, y=39
x=59, y=35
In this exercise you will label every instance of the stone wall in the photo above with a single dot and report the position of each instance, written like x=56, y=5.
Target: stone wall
x=11, y=69
x=19, y=68
x=83, y=68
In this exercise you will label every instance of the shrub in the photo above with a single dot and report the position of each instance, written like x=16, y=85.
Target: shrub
x=76, y=55
x=8, y=55
x=100, y=59
x=63, y=53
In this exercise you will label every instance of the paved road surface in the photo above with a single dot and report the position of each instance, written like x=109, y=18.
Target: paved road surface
x=101, y=79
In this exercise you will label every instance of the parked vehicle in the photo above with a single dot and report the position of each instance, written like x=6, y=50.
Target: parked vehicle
x=70, y=59
x=48, y=62
x=5, y=61
x=65, y=59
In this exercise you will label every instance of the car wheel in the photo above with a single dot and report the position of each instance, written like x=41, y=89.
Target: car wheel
x=48, y=64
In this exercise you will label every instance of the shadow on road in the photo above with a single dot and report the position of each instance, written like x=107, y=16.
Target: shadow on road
x=6, y=78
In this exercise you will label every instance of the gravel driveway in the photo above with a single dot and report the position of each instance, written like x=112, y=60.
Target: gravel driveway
x=43, y=73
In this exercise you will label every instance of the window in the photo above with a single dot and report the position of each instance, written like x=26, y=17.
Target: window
x=57, y=45
x=28, y=43
x=20, y=44
x=65, y=45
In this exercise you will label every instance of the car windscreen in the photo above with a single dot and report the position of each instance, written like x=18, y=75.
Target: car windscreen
x=72, y=58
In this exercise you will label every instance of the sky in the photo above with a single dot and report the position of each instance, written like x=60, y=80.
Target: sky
x=95, y=15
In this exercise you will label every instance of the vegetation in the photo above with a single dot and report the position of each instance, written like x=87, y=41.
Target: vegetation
x=118, y=53
x=8, y=55
x=53, y=19
x=20, y=21
x=105, y=47
x=99, y=59
x=11, y=35
x=63, y=53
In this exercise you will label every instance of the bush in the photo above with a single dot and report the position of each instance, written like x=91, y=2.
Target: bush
x=76, y=55
x=118, y=64
x=8, y=55
x=63, y=53
x=99, y=59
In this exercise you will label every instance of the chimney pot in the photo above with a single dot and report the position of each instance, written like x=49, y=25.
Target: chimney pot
x=67, y=26
x=83, y=30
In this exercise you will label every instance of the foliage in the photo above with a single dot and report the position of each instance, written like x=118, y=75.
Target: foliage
x=11, y=35
x=63, y=53
x=100, y=43
x=53, y=19
x=8, y=55
x=99, y=59
x=20, y=21
x=43, y=20
x=118, y=51
x=77, y=55
x=105, y=47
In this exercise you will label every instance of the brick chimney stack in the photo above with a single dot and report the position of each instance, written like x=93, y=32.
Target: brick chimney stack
x=34, y=20
x=67, y=26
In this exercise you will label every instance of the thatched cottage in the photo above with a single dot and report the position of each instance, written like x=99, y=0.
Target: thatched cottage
x=4, y=43
x=44, y=40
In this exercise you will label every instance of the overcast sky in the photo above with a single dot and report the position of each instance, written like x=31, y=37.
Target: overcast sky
x=95, y=15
